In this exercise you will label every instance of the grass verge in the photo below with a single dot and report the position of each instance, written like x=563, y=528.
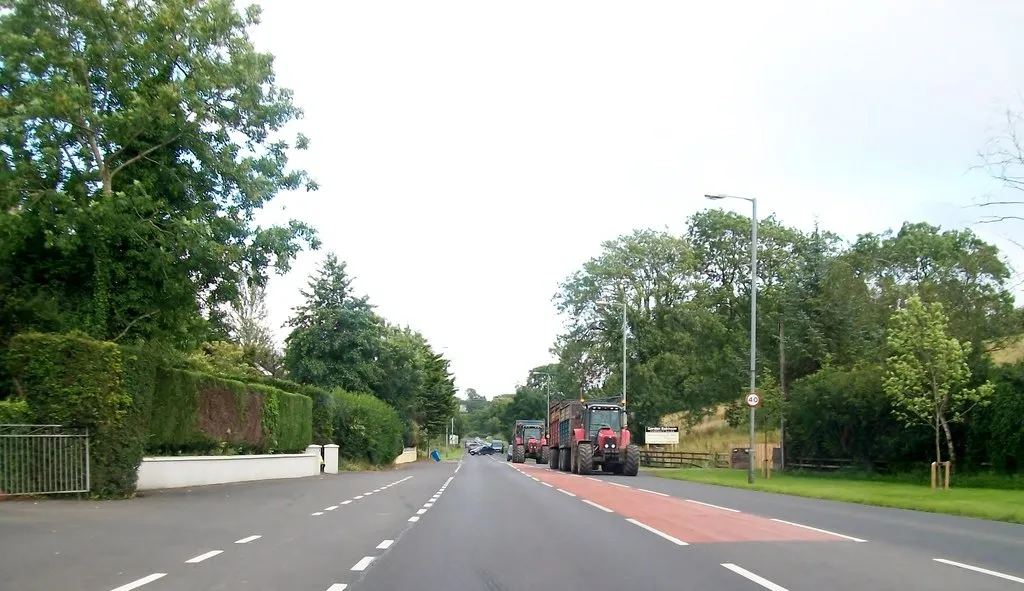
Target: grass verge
x=985, y=503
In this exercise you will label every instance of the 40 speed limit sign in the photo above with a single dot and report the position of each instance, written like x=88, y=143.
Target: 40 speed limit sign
x=753, y=399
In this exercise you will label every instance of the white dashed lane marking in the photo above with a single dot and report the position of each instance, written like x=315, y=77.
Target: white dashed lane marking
x=978, y=569
x=248, y=539
x=385, y=544
x=143, y=581
x=203, y=557
x=656, y=532
x=363, y=563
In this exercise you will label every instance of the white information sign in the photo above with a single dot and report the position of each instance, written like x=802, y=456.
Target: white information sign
x=661, y=435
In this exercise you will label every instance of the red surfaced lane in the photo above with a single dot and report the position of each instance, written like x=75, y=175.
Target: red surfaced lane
x=689, y=522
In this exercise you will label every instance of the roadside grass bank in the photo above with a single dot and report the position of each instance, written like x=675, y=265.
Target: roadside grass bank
x=998, y=504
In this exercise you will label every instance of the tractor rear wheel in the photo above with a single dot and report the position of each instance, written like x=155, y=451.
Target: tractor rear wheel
x=632, y=464
x=585, y=458
x=543, y=457
x=563, y=460
x=553, y=458
x=519, y=454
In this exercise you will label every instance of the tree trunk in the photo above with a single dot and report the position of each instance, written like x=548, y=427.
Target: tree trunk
x=949, y=442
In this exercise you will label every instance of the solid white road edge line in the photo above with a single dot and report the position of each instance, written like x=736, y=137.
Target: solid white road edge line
x=363, y=563
x=140, y=582
x=385, y=544
x=752, y=577
x=247, y=540
x=203, y=557
x=654, y=492
x=978, y=569
x=601, y=507
x=338, y=587
x=712, y=506
x=656, y=532
x=824, y=531
x=565, y=492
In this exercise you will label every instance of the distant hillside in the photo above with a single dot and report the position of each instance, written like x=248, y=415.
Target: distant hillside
x=714, y=434
x=1008, y=352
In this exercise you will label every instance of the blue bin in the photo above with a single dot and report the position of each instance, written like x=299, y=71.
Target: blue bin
x=434, y=454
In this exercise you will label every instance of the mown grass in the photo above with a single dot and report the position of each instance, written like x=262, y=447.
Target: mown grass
x=1005, y=503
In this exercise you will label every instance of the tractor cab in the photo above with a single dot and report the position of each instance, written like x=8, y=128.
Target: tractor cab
x=604, y=423
x=532, y=438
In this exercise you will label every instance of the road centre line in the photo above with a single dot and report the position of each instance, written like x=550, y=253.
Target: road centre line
x=363, y=563
x=318, y=513
x=143, y=581
x=385, y=544
x=338, y=587
x=414, y=518
x=248, y=539
x=676, y=541
x=712, y=506
x=202, y=557
x=824, y=531
x=346, y=502
x=978, y=569
x=753, y=577
x=331, y=508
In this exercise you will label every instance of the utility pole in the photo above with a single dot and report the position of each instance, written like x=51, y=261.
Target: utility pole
x=624, y=327
x=782, y=390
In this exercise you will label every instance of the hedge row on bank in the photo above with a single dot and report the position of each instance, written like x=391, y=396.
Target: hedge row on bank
x=131, y=404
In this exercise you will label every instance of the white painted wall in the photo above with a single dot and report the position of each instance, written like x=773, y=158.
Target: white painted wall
x=409, y=455
x=180, y=471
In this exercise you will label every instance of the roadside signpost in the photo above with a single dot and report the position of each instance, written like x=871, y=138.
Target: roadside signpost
x=753, y=400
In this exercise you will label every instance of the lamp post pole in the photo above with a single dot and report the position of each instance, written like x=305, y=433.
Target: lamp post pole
x=753, y=317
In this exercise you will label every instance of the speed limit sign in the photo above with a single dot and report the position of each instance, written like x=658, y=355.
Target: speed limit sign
x=753, y=399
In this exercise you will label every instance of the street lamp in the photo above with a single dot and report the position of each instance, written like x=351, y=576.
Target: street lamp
x=753, y=315
x=624, y=327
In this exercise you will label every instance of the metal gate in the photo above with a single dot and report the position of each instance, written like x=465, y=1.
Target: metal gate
x=43, y=460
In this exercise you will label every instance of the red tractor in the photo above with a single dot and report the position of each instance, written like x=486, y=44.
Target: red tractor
x=592, y=433
x=529, y=441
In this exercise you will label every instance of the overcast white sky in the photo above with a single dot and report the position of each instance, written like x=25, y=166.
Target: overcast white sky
x=472, y=154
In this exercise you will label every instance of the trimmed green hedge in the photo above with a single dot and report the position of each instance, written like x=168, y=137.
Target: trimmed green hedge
x=74, y=381
x=201, y=414
x=132, y=404
x=323, y=405
x=366, y=428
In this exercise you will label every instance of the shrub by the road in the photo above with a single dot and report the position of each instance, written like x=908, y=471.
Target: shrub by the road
x=366, y=428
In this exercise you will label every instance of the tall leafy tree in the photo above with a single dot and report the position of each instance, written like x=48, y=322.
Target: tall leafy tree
x=336, y=335
x=140, y=140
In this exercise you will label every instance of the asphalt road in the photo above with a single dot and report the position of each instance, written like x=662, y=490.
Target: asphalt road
x=484, y=524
